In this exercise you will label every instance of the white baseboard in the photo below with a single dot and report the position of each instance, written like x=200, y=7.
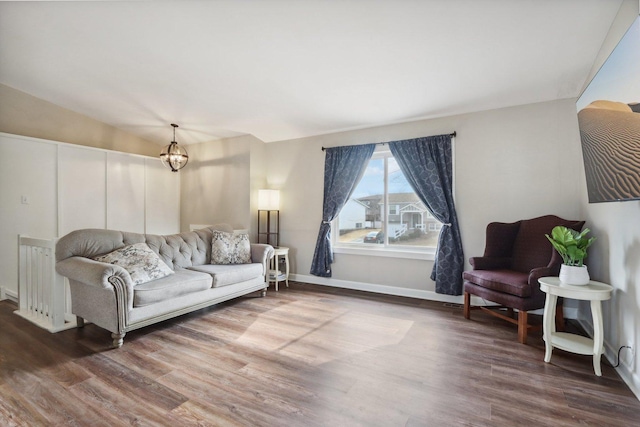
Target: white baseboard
x=384, y=289
x=8, y=294
x=569, y=312
x=632, y=379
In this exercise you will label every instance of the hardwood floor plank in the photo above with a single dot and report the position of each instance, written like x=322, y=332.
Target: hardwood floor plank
x=117, y=408
x=140, y=362
x=16, y=410
x=201, y=414
x=244, y=404
x=49, y=400
x=304, y=356
x=625, y=408
x=127, y=381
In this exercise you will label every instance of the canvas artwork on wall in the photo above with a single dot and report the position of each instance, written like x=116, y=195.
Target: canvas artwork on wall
x=609, y=120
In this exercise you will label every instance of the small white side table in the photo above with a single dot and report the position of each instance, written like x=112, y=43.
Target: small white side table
x=594, y=292
x=275, y=275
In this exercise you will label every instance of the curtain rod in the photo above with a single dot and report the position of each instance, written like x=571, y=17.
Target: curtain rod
x=452, y=135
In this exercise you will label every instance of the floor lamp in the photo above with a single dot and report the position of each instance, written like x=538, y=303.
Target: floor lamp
x=269, y=217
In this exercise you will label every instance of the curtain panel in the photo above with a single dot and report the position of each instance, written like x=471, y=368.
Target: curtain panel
x=343, y=169
x=427, y=163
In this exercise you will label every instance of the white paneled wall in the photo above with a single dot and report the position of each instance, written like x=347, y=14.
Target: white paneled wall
x=48, y=189
x=162, y=199
x=126, y=192
x=82, y=184
x=28, y=200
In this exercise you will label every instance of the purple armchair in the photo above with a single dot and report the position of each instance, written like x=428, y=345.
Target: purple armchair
x=516, y=255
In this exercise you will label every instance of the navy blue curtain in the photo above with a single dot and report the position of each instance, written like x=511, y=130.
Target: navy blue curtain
x=427, y=164
x=343, y=169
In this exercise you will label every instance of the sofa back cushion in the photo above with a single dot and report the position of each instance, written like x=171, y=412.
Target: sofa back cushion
x=176, y=250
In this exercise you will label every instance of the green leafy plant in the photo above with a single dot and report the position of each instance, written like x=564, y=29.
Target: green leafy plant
x=570, y=244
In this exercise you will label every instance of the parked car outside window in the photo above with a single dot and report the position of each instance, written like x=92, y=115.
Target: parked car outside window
x=374, y=237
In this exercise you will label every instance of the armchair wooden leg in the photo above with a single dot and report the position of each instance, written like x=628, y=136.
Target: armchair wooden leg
x=522, y=327
x=467, y=305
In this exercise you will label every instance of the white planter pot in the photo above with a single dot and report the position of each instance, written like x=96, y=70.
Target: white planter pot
x=572, y=275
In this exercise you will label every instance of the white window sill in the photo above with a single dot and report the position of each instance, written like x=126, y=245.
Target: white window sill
x=373, y=250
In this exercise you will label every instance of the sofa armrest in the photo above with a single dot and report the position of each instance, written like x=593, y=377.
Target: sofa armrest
x=262, y=253
x=490, y=263
x=100, y=292
x=90, y=272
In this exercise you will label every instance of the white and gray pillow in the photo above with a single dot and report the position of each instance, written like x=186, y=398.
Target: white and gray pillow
x=229, y=248
x=142, y=263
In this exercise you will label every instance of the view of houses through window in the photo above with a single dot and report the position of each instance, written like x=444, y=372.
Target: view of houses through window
x=384, y=210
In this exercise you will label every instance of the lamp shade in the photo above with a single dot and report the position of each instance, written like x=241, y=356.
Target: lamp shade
x=268, y=200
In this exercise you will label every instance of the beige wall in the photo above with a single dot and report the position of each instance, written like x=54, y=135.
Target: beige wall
x=510, y=163
x=23, y=114
x=216, y=183
x=258, y=180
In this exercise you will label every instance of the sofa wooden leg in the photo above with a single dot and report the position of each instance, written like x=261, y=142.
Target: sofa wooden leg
x=264, y=292
x=118, y=339
x=79, y=322
x=467, y=305
x=522, y=327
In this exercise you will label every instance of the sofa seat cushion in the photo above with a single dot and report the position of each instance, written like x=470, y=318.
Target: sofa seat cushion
x=507, y=281
x=169, y=287
x=224, y=275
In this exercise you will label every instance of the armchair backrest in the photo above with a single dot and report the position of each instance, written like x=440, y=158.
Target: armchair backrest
x=530, y=248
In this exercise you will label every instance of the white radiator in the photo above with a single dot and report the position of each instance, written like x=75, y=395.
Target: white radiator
x=43, y=297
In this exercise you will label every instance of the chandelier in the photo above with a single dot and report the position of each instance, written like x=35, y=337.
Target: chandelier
x=173, y=156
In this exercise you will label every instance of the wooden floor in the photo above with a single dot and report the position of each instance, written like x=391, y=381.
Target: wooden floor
x=304, y=356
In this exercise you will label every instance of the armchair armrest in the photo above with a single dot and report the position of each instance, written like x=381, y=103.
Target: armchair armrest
x=262, y=253
x=537, y=273
x=490, y=263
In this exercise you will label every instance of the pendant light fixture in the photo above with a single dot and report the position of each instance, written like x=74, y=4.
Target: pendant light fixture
x=173, y=156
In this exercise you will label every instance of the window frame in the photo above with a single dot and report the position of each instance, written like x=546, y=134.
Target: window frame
x=384, y=250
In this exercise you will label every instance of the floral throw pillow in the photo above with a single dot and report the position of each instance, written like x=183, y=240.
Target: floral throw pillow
x=228, y=248
x=140, y=261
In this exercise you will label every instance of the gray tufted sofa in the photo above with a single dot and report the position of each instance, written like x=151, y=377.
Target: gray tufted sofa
x=104, y=294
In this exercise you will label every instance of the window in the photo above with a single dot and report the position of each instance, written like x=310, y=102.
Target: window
x=385, y=213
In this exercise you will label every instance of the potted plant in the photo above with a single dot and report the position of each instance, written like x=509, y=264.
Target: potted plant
x=572, y=247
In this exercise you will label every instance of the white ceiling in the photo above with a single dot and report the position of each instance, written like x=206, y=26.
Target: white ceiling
x=287, y=69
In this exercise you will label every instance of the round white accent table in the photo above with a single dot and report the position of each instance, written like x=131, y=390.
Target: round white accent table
x=594, y=292
x=275, y=275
